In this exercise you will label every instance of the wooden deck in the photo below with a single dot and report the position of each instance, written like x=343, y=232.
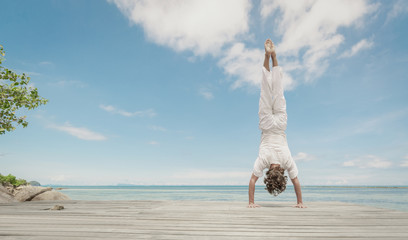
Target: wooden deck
x=198, y=220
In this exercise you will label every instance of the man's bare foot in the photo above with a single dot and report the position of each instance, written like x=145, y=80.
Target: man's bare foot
x=253, y=205
x=299, y=205
x=269, y=47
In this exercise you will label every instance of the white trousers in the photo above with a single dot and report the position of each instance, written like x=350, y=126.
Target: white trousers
x=272, y=103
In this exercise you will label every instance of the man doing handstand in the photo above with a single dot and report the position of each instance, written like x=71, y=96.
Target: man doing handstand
x=274, y=152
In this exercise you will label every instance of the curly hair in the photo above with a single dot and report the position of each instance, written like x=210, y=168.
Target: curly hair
x=275, y=180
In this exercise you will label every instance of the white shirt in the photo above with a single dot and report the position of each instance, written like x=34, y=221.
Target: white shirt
x=274, y=150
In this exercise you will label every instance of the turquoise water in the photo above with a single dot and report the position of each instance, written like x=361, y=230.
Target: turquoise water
x=383, y=197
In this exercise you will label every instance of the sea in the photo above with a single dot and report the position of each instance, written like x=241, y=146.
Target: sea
x=393, y=197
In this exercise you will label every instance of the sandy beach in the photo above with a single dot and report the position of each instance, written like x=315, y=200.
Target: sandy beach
x=198, y=220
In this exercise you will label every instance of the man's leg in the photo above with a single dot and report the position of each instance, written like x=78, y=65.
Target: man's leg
x=269, y=119
x=266, y=101
x=279, y=103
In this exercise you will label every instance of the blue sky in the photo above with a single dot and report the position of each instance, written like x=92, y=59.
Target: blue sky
x=166, y=92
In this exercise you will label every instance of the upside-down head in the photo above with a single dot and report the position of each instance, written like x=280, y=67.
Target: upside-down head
x=275, y=180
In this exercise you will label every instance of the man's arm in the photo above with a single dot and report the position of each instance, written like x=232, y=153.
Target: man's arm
x=298, y=192
x=251, y=192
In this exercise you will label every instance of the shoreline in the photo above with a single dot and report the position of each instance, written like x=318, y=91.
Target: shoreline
x=308, y=186
x=388, y=198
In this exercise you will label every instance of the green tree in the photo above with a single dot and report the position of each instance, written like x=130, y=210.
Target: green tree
x=15, y=94
x=12, y=180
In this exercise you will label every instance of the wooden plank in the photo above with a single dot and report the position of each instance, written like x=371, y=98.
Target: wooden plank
x=198, y=220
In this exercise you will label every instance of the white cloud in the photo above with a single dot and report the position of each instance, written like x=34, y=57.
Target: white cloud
x=361, y=45
x=33, y=74
x=206, y=93
x=345, y=179
x=200, y=26
x=400, y=7
x=59, y=178
x=243, y=63
x=28, y=73
x=349, y=164
x=157, y=128
x=340, y=181
x=81, y=133
x=404, y=163
x=153, y=143
x=114, y=110
x=44, y=63
x=309, y=29
x=378, y=123
x=246, y=65
x=302, y=156
x=195, y=174
x=368, y=161
x=69, y=83
x=108, y=108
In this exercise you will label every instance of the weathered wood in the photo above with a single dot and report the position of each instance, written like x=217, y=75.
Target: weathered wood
x=198, y=220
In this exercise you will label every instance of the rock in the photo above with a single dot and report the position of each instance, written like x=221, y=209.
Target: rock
x=57, y=207
x=9, y=187
x=51, y=195
x=34, y=183
x=5, y=195
x=5, y=189
x=27, y=193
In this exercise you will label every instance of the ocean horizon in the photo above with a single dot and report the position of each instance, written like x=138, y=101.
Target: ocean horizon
x=389, y=197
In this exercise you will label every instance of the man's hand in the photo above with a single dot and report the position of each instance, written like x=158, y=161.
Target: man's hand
x=299, y=205
x=253, y=205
